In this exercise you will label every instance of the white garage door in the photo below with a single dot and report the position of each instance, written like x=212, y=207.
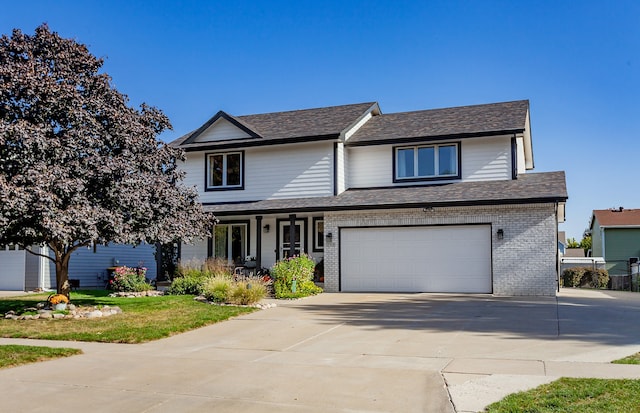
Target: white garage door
x=12, y=267
x=453, y=258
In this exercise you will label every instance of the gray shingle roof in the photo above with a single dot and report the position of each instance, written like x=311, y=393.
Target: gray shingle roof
x=494, y=118
x=527, y=188
x=280, y=127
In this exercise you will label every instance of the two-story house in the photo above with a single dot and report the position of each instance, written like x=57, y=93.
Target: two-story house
x=427, y=201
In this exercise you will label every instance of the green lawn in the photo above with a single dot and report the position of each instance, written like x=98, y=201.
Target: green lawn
x=143, y=319
x=632, y=359
x=574, y=396
x=14, y=355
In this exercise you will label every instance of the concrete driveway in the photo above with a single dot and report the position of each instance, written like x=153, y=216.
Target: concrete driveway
x=345, y=353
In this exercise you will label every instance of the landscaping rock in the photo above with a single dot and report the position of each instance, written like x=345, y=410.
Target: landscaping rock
x=130, y=294
x=73, y=312
x=95, y=314
x=261, y=306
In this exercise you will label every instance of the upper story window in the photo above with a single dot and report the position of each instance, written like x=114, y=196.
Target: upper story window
x=225, y=171
x=427, y=162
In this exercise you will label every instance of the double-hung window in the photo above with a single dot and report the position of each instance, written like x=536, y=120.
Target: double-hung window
x=427, y=162
x=225, y=171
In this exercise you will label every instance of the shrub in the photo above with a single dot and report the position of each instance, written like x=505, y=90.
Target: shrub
x=217, y=289
x=224, y=290
x=129, y=279
x=192, y=275
x=244, y=293
x=298, y=268
x=599, y=278
x=190, y=284
x=571, y=277
x=585, y=277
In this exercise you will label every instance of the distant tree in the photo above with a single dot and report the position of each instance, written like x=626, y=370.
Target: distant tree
x=585, y=243
x=572, y=243
x=78, y=166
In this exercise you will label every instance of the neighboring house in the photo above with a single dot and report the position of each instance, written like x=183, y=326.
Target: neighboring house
x=615, y=236
x=426, y=201
x=562, y=242
x=22, y=271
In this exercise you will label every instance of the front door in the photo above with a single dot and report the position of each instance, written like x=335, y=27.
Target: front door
x=298, y=240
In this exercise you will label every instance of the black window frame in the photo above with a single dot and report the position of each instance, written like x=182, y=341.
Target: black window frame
x=207, y=166
x=436, y=177
x=317, y=236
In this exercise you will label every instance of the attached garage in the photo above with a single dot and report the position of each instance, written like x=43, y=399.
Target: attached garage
x=447, y=258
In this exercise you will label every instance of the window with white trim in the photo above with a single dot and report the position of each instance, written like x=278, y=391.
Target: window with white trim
x=225, y=170
x=427, y=162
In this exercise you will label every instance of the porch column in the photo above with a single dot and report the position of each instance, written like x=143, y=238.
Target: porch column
x=258, y=242
x=292, y=235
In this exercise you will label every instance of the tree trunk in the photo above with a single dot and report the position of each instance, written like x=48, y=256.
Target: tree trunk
x=62, y=273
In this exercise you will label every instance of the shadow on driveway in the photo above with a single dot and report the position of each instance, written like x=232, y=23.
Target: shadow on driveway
x=609, y=318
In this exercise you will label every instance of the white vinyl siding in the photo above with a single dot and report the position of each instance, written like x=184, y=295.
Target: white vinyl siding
x=273, y=172
x=221, y=130
x=342, y=168
x=370, y=166
x=486, y=159
x=520, y=156
x=483, y=159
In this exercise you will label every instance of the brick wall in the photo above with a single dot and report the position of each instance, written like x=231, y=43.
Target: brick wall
x=523, y=262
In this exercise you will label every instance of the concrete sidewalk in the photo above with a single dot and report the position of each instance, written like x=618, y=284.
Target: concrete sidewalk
x=346, y=352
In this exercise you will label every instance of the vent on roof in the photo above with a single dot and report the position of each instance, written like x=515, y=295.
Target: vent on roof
x=619, y=209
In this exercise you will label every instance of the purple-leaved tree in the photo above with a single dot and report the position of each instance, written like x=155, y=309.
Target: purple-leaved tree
x=78, y=166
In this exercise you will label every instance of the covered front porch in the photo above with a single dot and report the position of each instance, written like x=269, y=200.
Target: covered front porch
x=260, y=240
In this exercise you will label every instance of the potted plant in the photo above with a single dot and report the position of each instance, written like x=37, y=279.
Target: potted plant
x=58, y=301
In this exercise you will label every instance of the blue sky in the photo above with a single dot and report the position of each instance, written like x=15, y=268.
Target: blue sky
x=578, y=62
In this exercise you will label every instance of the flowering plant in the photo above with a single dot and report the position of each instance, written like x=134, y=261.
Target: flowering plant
x=129, y=279
x=58, y=299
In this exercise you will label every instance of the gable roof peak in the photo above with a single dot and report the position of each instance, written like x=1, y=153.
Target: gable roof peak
x=302, y=125
x=238, y=123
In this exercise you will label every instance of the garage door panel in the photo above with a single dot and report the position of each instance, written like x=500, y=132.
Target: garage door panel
x=418, y=259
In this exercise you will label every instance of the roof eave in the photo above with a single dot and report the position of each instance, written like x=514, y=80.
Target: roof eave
x=417, y=204
x=221, y=114
x=424, y=138
x=236, y=144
